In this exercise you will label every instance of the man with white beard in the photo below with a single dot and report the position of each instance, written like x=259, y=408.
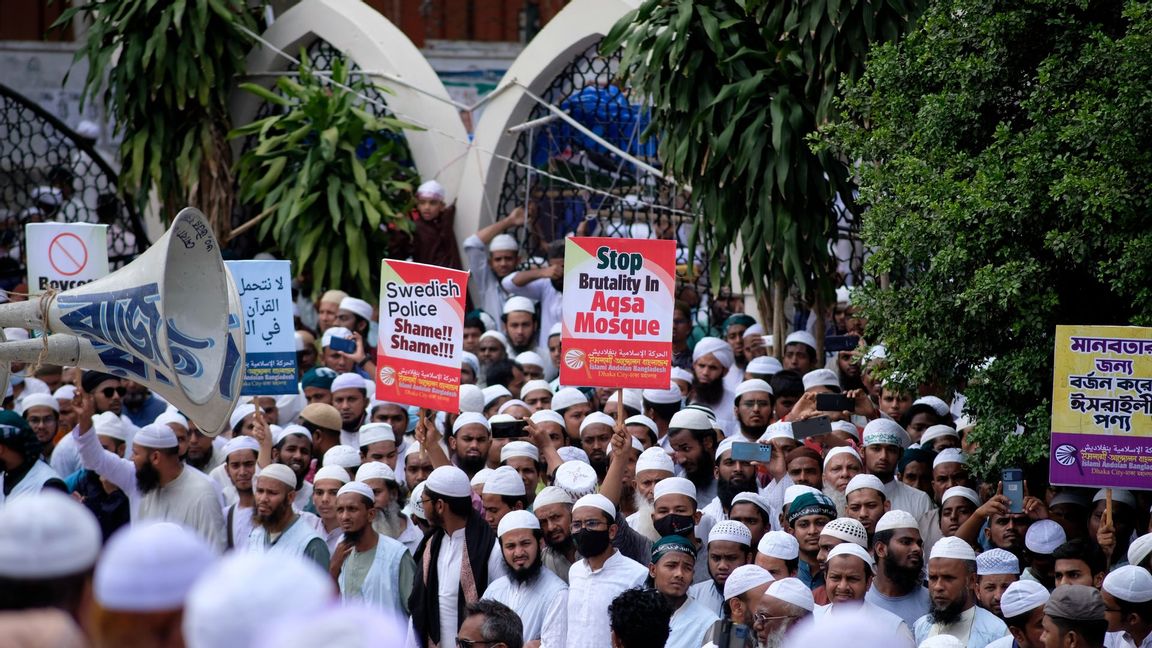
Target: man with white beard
x=653, y=465
x=785, y=604
x=841, y=464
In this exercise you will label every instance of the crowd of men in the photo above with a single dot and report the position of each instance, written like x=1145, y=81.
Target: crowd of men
x=544, y=514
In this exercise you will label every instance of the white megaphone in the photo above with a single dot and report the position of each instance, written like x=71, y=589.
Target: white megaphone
x=170, y=320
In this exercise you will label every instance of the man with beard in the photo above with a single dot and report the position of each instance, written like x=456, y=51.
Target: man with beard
x=596, y=579
x=367, y=566
x=753, y=511
x=996, y=570
x=884, y=442
x=544, y=286
x=785, y=603
x=712, y=359
x=803, y=466
x=693, y=442
x=105, y=391
x=292, y=446
x=388, y=519
x=157, y=483
x=841, y=464
x=754, y=405
x=653, y=465
x=553, y=510
x=729, y=547
x=202, y=453
x=951, y=579
x=670, y=573
x=732, y=478
x=279, y=528
x=660, y=405
x=742, y=592
x=899, y=583
x=503, y=492
x=539, y=597
x=469, y=442
x=378, y=443
x=595, y=438
x=459, y=556
x=521, y=324
x=850, y=572
x=240, y=465
x=350, y=398
x=22, y=472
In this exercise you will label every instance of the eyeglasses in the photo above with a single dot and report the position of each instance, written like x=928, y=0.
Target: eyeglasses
x=119, y=391
x=41, y=420
x=591, y=525
x=760, y=618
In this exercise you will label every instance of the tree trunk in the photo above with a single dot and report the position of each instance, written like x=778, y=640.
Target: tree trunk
x=778, y=324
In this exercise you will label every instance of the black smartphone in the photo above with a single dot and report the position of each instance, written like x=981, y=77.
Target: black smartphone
x=838, y=343
x=509, y=429
x=344, y=345
x=834, y=403
x=1013, y=479
x=811, y=427
x=743, y=451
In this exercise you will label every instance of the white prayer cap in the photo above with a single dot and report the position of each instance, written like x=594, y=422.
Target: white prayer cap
x=896, y=519
x=567, y=397
x=937, y=404
x=375, y=470
x=640, y=419
x=753, y=385
x=950, y=455
x=997, y=561
x=503, y=243
x=938, y=431
x=690, y=419
x=755, y=329
x=480, y=478
x=674, y=486
x=865, y=480
x=533, y=385
x=961, y=491
x=155, y=437
x=504, y=481
x=289, y=430
x=547, y=416
x=1023, y=596
x=280, y=473
x=301, y=345
x=109, y=424
x=718, y=349
x=963, y=423
x=350, y=624
x=778, y=430
x=501, y=412
x=803, y=337
x=530, y=358
x=46, y=535
x=493, y=392
x=431, y=189
x=821, y=378
x=470, y=418
x=655, y=458
x=941, y=641
x=66, y=392
x=731, y=531
x=516, y=520
x=724, y=446
x=358, y=487
x=519, y=449
x=848, y=530
x=576, y=478
x=37, y=400
x=375, y=433
x=796, y=490
x=335, y=473
x=682, y=375
x=243, y=595
x=764, y=366
x=780, y=545
x=413, y=448
x=848, y=428
x=852, y=549
x=744, y=579
x=570, y=453
x=952, y=548
x=517, y=304
x=551, y=495
x=1130, y=584
x=1044, y=536
x=495, y=335
x=663, y=396
x=596, y=500
x=636, y=445
x=150, y=568
x=839, y=450
x=755, y=499
x=237, y=444
x=470, y=359
x=343, y=456
x=240, y=413
x=596, y=418
x=449, y=481
x=347, y=381
x=864, y=628
x=336, y=332
x=884, y=431
x=1118, y=495
x=471, y=399
x=1139, y=549
x=358, y=307
x=415, y=505
x=172, y=416
x=791, y=590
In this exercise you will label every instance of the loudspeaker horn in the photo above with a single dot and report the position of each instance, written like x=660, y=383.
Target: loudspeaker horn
x=170, y=320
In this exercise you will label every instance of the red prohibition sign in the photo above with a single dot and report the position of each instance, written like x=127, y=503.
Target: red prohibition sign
x=67, y=254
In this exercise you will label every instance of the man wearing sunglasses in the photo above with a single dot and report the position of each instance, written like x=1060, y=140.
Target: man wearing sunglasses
x=106, y=393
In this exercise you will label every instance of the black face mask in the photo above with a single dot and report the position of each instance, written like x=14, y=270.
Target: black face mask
x=673, y=524
x=591, y=543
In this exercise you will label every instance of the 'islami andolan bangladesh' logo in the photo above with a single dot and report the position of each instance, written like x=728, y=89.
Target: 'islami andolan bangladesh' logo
x=574, y=359
x=388, y=376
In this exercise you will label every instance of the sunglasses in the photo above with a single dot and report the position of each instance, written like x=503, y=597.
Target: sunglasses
x=119, y=391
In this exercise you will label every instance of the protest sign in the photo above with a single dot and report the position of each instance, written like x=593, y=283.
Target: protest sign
x=1101, y=407
x=421, y=341
x=62, y=256
x=618, y=298
x=265, y=289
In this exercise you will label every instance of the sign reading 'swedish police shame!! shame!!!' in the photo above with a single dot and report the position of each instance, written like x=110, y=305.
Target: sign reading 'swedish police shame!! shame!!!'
x=618, y=297
x=421, y=335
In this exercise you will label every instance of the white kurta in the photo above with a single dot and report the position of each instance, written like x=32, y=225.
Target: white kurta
x=707, y=595
x=591, y=592
x=901, y=634
x=542, y=606
x=690, y=625
x=33, y=481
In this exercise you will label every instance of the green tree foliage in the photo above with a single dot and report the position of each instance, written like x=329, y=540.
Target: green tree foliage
x=164, y=71
x=737, y=87
x=324, y=172
x=1006, y=163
